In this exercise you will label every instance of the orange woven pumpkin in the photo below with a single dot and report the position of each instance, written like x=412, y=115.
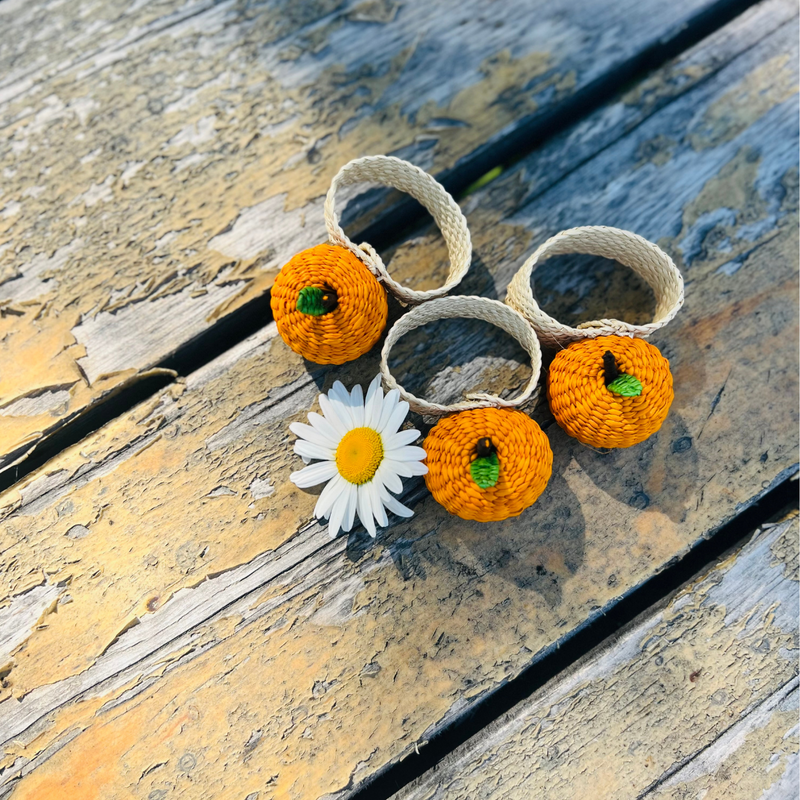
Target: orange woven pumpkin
x=328, y=306
x=517, y=462
x=610, y=391
x=486, y=461
x=607, y=387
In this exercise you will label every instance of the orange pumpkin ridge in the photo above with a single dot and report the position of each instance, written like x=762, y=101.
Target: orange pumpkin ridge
x=352, y=327
x=523, y=450
x=588, y=410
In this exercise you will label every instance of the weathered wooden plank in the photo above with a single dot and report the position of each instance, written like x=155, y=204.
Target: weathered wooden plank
x=697, y=700
x=735, y=766
x=44, y=39
x=156, y=183
x=264, y=639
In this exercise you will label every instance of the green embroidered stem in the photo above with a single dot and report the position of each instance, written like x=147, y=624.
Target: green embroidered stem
x=316, y=301
x=626, y=386
x=485, y=470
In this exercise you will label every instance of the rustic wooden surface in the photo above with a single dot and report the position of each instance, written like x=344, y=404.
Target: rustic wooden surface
x=697, y=700
x=161, y=161
x=174, y=619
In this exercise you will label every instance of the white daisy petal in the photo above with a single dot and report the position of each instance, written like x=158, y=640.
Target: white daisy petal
x=377, y=504
x=357, y=406
x=340, y=398
x=388, y=478
x=401, y=468
x=365, y=510
x=396, y=419
x=339, y=422
x=316, y=473
x=311, y=450
x=375, y=385
x=417, y=467
x=325, y=428
x=393, y=504
x=389, y=405
x=339, y=393
x=344, y=413
x=374, y=403
x=352, y=500
x=328, y=496
x=406, y=454
x=394, y=440
x=312, y=435
x=372, y=410
x=337, y=514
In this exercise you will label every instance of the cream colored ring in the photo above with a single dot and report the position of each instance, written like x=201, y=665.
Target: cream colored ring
x=394, y=172
x=646, y=259
x=480, y=308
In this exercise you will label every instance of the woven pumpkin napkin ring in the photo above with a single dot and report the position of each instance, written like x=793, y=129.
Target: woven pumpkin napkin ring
x=486, y=460
x=607, y=386
x=328, y=302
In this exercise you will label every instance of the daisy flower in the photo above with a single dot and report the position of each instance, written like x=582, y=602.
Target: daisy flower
x=360, y=454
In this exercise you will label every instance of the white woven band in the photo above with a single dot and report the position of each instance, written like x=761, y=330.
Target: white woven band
x=390, y=171
x=480, y=308
x=643, y=257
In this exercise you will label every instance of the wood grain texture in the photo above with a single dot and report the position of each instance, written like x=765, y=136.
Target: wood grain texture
x=697, y=700
x=161, y=161
x=208, y=634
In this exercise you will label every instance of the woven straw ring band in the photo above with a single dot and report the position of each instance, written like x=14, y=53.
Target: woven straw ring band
x=480, y=308
x=646, y=259
x=390, y=171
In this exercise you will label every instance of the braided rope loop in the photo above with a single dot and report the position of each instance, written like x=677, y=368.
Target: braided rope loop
x=394, y=172
x=646, y=259
x=480, y=308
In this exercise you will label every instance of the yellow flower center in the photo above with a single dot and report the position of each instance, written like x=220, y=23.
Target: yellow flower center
x=359, y=455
